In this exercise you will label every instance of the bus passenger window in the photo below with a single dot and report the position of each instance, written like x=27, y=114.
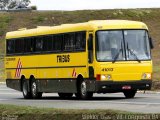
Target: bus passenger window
x=69, y=42
x=39, y=44
x=19, y=45
x=80, y=41
x=47, y=43
x=10, y=46
x=57, y=42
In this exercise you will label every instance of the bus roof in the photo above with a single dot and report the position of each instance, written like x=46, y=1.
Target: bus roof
x=86, y=26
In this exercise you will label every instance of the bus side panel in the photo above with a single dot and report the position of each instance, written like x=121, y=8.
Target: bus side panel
x=11, y=81
x=57, y=76
x=61, y=86
x=14, y=84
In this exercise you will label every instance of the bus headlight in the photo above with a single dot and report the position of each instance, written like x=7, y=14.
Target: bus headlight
x=106, y=77
x=103, y=77
x=146, y=76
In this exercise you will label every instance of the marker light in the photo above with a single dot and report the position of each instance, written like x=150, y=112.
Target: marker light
x=98, y=77
x=109, y=77
x=146, y=76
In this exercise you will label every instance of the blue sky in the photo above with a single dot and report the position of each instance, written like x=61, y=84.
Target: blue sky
x=93, y=4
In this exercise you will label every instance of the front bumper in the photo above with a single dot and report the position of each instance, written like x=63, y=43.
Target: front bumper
x=112, y=86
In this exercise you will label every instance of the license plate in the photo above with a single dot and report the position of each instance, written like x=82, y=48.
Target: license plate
x=126, y=87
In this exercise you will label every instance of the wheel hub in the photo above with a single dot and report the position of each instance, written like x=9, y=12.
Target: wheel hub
x=34, y=88
x=83, y=88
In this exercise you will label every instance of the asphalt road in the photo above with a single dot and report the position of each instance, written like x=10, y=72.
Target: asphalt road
x=144, y=103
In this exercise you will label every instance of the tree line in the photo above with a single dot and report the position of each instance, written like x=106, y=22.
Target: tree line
x=10, y=4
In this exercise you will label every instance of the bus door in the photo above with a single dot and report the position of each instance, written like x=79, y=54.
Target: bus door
x=90, y=56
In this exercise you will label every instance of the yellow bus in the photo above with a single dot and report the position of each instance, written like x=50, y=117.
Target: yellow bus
x=99, y=56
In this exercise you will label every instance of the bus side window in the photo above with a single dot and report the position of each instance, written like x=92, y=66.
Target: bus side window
x=47, y=43
x=57, y=42
x=29, y=45
x=39, y=44
x=19, y=46
x=10, y=46
x=80, y=41
x=69, y=39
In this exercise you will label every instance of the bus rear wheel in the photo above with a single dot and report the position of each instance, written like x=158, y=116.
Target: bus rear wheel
x=65, y=95
x=25, y=90
x=34, y=90
x=130, y=93
x=82, y=92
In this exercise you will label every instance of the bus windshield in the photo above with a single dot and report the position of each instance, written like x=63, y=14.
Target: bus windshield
x=120, y=45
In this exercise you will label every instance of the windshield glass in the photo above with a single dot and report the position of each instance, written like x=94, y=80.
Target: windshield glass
x=119, y=45
x=137, y=44
x=109, y=44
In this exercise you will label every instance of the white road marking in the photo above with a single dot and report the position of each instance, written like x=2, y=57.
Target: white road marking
x=3, y=83
x=10, y=93
x=134, y=103
x=6, y=89
x=112, y=102
x=3, y=99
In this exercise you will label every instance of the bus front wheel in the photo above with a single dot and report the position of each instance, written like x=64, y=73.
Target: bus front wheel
x=82, y=92
x=34, y=90
x=130, y=93
x=25, y=90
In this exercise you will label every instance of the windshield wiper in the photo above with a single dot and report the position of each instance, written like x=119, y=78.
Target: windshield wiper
x=116, y=56
x=135, y=56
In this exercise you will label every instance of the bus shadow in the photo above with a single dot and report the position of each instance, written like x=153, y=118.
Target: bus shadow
x=92, y=99
x=96, y=97
x=76, y=99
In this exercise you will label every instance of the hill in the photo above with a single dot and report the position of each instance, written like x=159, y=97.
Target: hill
x=10, y=21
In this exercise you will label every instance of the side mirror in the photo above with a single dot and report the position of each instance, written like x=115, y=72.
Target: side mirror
x=151, y=43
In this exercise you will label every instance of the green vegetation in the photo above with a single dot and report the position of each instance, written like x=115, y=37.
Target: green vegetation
x=34, y=7
x=31, y=19
x=25, y=113
x=38, y=19
x=4, y=21
x=1, y=68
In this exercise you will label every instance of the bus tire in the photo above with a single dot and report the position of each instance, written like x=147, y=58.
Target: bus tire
x=65, y=95
x=82, y=92
x=25, y=90
x=34, y=91
x=130, y=93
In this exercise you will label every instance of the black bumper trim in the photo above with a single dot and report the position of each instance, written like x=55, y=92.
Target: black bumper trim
x=112, y=86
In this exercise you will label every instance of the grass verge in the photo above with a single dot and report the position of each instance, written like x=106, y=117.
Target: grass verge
x=11, y=112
